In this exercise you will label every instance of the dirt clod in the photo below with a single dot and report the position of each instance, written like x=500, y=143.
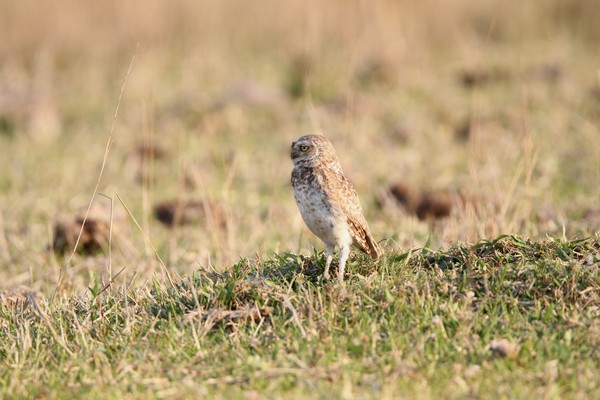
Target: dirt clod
x=504, y=348
x=176, y=212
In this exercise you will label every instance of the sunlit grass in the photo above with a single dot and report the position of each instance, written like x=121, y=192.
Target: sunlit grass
x=420, y=323
x=496, y=107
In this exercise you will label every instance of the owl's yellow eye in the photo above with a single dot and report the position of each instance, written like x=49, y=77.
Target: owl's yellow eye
x=303, y=148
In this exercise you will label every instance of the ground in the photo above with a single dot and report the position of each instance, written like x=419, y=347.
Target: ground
x=192, y=108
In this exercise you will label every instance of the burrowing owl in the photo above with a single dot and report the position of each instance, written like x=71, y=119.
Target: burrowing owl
x=327, y=201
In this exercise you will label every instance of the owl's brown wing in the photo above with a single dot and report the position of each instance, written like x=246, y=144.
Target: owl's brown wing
x=350, y=204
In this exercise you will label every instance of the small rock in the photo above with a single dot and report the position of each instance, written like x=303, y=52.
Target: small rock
x=505, y=349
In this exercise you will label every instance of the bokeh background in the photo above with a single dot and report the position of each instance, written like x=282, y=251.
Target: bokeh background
x=455, y=120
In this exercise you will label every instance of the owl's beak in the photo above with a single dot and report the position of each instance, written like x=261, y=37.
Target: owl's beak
x=294, y=153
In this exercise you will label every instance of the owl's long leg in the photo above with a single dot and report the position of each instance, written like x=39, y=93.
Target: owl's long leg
x=344, y=253
x=330, y=251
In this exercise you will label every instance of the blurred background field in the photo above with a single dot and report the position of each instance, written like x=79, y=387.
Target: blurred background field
x=490, y=109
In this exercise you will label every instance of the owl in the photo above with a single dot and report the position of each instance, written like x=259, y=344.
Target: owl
x=327, y=202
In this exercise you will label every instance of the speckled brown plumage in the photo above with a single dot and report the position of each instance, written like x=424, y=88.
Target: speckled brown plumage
x=327, y=201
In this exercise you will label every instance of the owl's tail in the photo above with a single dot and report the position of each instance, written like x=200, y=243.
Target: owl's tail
x=373, y=249
x=364, y=241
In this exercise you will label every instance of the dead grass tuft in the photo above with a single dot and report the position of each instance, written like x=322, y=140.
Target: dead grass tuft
x=21, y=298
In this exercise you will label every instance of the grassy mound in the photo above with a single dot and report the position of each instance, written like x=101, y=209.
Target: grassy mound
x=508, y=316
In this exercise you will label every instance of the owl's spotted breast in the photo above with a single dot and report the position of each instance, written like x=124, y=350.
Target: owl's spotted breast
x=317, y=209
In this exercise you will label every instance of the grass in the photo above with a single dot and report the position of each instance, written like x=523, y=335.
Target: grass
x=419, y=323
x=493, y=106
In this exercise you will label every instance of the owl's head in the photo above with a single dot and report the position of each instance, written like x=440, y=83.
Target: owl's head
x=311, y=148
